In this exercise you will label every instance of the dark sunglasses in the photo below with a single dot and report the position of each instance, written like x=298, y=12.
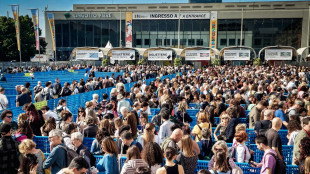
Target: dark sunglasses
x=9, y=116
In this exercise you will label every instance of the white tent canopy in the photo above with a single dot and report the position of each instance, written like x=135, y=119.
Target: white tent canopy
x=109, y=45
x=300, y=52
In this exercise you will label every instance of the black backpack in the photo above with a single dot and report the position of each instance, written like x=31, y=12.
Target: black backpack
x=280, y=167
x=92, y=158
x=70, y=154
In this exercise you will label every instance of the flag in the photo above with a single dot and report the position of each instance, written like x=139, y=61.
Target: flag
x=50, y=17
x=15, y=9
x=35, y=20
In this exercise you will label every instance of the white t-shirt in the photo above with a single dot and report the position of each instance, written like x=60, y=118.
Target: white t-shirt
x=3, y=102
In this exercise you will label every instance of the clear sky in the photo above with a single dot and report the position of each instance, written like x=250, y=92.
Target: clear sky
x=66, y=5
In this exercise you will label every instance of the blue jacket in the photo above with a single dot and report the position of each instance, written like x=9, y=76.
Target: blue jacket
x=56, y=159
x=108, y=164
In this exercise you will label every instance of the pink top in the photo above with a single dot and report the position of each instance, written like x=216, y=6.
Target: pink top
x=20, y=137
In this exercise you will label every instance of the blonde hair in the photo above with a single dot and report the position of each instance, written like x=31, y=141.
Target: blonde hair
x=26, y=145
x=222, y=144
x=182, y=106
x=240, y=127
x=203, y=117
x=187, y=146
x=22, y=117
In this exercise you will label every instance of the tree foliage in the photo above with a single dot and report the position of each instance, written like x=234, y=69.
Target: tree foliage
x=8, y=43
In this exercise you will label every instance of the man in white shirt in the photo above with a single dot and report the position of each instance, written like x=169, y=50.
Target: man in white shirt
x=165, y=128
x=3, y=100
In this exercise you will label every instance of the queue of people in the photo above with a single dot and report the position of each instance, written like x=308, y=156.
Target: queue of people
x=276, y=98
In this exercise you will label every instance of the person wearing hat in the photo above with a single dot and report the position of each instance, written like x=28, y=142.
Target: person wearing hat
x=122, y=103
x=9, y=152
x=6, y=117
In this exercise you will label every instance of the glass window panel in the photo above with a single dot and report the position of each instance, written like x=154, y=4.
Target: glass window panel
x=167, y=42
x=66, y=33
x=139, y=41
x=159, y=42
x=73, y=33
x=146, y=41
x=223, y=42
x=191, y=42
x=199, y=42
x=89, y=33
x=58, y=28
x=81, y=33
x=232, y=42
x=97, y=34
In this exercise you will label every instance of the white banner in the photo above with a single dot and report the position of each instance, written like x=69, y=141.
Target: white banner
x=197, y=55
x=87, y=55
x=278, y=54
x=171, y=15
x=123, y=55
x=237, y=55
x=160, y=55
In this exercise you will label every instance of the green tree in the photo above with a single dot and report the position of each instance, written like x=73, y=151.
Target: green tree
x=8, y=44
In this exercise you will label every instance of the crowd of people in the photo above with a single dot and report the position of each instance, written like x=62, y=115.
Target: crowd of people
x=277, y=98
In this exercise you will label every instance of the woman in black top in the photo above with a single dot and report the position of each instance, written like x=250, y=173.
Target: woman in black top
x=170, y=167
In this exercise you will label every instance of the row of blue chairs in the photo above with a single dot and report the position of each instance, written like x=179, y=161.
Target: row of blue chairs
x=203, y=164
x=43, y=144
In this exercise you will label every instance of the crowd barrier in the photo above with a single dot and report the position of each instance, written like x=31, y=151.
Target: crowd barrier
x=43, y=144
x=203, y=164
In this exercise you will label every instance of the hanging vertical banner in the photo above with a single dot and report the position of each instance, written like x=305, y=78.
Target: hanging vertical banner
x=15, y=9
x=35, y=20
x=129, y=29
x=213, y=29
x=50, y=17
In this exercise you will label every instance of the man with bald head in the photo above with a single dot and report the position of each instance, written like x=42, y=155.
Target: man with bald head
x=274, y=140
x=172, y=141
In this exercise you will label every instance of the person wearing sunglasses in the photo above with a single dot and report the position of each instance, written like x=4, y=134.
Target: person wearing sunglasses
x=221, y=146
x=7, y=117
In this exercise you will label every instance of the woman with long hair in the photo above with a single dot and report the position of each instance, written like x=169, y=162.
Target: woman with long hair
x=170, y=167
x=153, y=156
x=294, y=127
x=131, y=120
x=24, y=131
x=96, y=144
x=35, y=119
x=221, y=146
x=108, y=164
x=49, y=125
x=202, y=122
x=133, y=161
x=304, y=153
x=148, y=135
x=105, y=123
x=221, y=164
x=188, y=158
x=28, y=147
x=29, y=164
x=182, y=115
x=81, y=116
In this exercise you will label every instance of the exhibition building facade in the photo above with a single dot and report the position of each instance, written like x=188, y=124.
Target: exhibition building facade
x=216, y=25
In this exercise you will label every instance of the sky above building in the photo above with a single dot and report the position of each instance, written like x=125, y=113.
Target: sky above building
x=67, y=5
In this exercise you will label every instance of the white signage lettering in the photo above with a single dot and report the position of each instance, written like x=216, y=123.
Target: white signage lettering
x=123, y=55
x=160, y=55
x=237, y=55
x=197, y=55
x=278, y=54
x=87, y=55
x=170, y=15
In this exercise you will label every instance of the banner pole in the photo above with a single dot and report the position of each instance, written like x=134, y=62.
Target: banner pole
x=20, y=45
